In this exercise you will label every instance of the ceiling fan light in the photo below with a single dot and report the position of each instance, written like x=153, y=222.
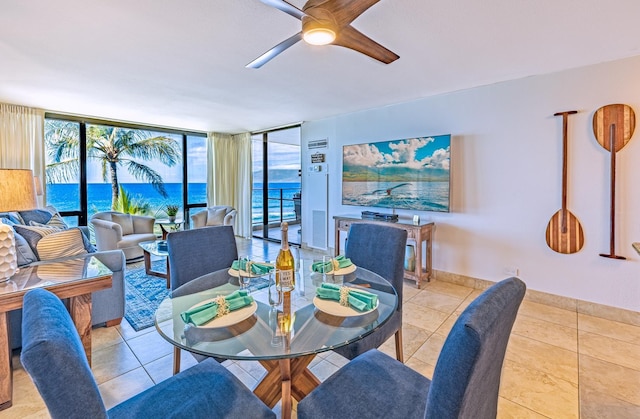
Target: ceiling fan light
x=319, y=36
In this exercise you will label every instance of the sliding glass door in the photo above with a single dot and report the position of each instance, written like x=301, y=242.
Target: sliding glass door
x=276, y=184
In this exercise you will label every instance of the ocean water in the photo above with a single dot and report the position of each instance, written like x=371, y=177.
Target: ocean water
x=65, y=197
x=421, y=196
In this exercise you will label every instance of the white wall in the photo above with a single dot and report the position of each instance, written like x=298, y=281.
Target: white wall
x=506, y=178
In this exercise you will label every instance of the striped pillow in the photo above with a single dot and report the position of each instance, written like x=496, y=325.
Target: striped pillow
x=61, y=244
x=56, y=221
x=33, y=234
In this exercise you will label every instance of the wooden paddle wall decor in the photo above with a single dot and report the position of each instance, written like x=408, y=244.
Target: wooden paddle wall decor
x=613, y=126
x=564, y=232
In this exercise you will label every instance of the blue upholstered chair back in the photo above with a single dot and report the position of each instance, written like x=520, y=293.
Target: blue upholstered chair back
x=193, y=253
x=380, y=249
x=54, y=357
x=466, y=379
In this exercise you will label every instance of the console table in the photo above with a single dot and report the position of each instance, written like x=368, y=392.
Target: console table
x=418, y=234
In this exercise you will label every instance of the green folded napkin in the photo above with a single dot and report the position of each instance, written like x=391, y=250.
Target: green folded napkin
x=358, y=299
x=336, y=263
x=222, y=305
x=257, y=268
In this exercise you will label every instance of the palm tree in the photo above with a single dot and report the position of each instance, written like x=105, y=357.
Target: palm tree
x=114, y=147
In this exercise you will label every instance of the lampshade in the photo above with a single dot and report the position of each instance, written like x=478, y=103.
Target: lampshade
x=319, y=36
x=17, y=190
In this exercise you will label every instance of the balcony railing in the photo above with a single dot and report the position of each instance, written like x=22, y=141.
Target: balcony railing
x=281, y=203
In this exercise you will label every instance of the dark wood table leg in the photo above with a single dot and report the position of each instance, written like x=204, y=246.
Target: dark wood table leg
x=149, y=271
x=6, y=377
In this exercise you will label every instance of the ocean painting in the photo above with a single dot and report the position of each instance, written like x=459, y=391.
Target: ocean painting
x=411, y=173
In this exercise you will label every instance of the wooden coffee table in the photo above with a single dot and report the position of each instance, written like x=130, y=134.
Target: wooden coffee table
x=151, y=248
x=74, y=279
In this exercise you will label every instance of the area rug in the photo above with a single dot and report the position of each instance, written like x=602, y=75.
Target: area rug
x=144, y=293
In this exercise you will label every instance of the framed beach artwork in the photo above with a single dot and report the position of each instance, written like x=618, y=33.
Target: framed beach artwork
x=412, y=173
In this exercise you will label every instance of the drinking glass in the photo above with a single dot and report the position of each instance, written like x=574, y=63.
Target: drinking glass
x=327, y=269
x=244, y=273
x=275, y=294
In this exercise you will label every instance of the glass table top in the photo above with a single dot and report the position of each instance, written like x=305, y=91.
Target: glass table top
x=54, y=273
x=151, y=246
x=259, y=336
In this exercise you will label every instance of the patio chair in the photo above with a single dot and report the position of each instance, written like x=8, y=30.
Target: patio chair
x=54, y=357
x=380, y=249
x=465, y=381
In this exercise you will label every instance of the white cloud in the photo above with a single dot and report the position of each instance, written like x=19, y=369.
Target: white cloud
x=363, y=155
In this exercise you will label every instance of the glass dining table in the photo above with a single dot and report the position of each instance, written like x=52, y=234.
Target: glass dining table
x=315, y=326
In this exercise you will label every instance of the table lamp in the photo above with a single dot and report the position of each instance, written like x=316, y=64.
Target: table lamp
x=17, y=193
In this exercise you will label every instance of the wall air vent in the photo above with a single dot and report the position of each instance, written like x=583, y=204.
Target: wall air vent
x=317, y=144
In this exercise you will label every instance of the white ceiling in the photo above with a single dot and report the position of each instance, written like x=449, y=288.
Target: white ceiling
x=180, y=63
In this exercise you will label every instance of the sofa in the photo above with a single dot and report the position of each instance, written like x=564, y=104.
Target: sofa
x=115, y=230
x=107, y=305
x=214, y=216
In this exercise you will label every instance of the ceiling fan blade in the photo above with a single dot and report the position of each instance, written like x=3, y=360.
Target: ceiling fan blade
x=353, y=39
x=346, y=11
x=286, y=7
x=267, y=56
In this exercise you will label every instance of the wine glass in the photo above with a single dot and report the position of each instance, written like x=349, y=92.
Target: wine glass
x=244, y=272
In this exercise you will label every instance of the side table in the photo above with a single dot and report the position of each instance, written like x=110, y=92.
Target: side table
x=167, y=226
x=151, y=248
x=421, y=234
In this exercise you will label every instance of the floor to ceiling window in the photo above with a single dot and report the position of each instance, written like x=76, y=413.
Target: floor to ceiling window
x=95, y=166
x=276, y=183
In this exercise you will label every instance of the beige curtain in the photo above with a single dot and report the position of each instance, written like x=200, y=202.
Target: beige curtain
x=229, y=177
x=22, y=139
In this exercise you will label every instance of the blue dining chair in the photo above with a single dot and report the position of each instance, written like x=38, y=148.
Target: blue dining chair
x=197, y=252
x=380, y=249
x=465, y=381
x=54, y=357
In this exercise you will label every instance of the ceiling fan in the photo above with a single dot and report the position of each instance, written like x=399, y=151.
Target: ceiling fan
x=328, y=22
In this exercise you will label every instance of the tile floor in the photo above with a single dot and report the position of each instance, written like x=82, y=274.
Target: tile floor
x=559, y=364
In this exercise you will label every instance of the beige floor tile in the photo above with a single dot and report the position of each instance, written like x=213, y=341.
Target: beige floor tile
x=468, y=300
x=253, y=368
x=323, y=370
x=128, y=332
x=596, y=405
x=161, y=369
x=546, y=358
x=548, y=313
x=412, y=338
x=101, y=337
x=150, y=347
x=337, y=359
x=437, y=301
x=430, y=350
x=112, y=361
x=538, y=391
x=26, y=399
x=243, y=376
x=409, y=290
x=422, y=317
x=421, y=367
x=610, y=328
x=553, y=334
x=447, y=325
x=510, y=410
x=610, y=379
x=124, y=387
x=609, y=349
x=448, y=288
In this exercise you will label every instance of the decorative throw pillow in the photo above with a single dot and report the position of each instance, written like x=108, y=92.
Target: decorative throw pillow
x=24, y=254
x=215, y=217
x=61, y=244
x=33, y=234
x=38, y=215
x=125, y=221
x=12, y=216
x=56, y=221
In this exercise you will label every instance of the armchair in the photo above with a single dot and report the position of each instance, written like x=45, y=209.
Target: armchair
x=115, y=230
x=214, y=216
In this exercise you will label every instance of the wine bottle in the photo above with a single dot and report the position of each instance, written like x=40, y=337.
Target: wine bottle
x=285, y=279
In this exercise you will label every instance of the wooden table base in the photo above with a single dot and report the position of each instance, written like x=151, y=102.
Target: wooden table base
x=149, y=271
x=286, y=378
